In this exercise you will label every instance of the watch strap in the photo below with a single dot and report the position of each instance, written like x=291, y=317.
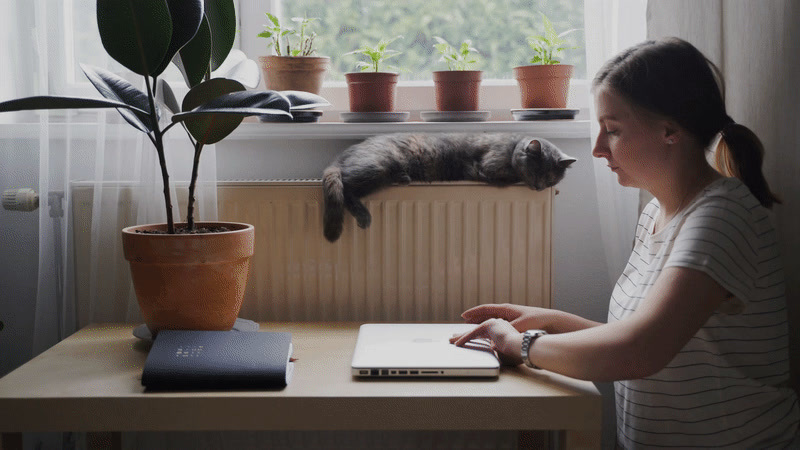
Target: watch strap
x=528, y=338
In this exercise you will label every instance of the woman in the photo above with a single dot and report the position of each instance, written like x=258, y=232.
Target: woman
x=696, y=339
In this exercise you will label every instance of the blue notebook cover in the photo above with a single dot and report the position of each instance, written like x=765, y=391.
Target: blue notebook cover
x=189, y=359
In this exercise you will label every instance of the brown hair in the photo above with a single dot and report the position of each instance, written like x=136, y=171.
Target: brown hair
x=672, y=78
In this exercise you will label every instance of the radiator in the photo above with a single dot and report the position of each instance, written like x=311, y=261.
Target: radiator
x=432, y=251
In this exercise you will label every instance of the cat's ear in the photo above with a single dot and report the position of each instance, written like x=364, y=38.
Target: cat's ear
x=566, y=161
x=534, y=146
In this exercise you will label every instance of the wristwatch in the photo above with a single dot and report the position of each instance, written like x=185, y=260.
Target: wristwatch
x=527, y=340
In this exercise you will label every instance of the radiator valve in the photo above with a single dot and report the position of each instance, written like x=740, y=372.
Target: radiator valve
x=20, y=199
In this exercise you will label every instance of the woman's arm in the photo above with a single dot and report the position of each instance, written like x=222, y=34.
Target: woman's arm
x=529, y=317
x=680, y=302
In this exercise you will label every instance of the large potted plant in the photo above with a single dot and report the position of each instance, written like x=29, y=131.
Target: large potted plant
x=186, y=275
x=458, y=88
x=545, y=83
x=293, y=65
x=372, y=90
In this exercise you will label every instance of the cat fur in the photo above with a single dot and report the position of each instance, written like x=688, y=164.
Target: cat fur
x=499, y=159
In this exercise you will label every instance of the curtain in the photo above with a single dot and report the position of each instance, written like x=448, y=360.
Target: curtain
x=755, y=45
x=96, y=174
x=612, y=26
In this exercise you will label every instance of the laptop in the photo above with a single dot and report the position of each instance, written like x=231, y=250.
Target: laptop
x=388, y=350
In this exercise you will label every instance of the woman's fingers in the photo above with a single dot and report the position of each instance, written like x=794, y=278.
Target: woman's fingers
x=483, y=313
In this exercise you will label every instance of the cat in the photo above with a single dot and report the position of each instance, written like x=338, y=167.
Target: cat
x=499, y=159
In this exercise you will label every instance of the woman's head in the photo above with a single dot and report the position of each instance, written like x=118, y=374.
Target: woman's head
x=672, y=79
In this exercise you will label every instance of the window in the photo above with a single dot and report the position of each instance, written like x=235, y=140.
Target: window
x=498, y=30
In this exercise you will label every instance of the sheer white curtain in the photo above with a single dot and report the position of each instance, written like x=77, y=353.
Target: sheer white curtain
x=97, y=175
x=612, y=26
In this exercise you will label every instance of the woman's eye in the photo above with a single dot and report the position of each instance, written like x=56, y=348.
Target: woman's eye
x=611, y=131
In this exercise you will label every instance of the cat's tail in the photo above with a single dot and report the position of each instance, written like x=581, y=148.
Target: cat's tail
x=333, y=196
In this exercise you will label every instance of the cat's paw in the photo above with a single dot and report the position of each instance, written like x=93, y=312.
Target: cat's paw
x=364, y=220
x=404, y=179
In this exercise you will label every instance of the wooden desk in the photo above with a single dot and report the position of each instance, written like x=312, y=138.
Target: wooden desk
x=91, y=382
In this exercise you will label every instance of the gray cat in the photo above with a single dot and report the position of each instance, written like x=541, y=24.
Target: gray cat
x=497, y=159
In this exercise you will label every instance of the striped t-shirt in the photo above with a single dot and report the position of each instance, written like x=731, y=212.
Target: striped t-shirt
x=727, y=387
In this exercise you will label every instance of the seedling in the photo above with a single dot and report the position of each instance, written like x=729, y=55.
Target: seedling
x=456, y=59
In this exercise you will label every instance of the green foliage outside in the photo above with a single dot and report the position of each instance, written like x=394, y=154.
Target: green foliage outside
x=498, y=30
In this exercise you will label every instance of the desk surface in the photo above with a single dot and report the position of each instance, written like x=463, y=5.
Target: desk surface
x=91, y=382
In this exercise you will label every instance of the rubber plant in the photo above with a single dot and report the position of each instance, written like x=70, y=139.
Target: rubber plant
x=145, y=36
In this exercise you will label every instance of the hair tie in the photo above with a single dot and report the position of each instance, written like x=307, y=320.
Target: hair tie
x=727, y=123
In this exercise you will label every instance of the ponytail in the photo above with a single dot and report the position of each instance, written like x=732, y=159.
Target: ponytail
x=740, y=154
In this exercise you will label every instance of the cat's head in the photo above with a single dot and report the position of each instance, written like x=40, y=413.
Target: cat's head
x=540, y=163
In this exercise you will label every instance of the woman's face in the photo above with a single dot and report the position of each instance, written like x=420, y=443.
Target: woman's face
x=631, y=141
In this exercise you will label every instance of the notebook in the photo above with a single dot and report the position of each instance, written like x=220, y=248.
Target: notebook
x=189, y=359
x=420, y=350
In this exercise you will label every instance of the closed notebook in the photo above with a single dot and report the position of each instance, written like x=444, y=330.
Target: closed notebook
x=188, y=359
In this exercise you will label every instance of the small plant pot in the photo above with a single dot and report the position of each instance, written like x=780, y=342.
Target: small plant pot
x=457, y=90
x=371, y=91
x=544, y=86
x=189, y=281
x=294, y=73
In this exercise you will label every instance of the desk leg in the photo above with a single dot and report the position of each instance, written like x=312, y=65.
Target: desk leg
x=580, y=439
x=11, y=441
x=104, y=440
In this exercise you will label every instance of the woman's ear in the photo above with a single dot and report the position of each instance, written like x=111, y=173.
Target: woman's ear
x=672, y=132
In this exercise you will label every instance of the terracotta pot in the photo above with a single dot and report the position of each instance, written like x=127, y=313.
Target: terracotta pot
x=457, y=90
x=371, y=91
x=544, y=86
x=294, y=73
x=189, y=281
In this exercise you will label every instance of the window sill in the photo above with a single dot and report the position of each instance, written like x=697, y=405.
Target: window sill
x=550, y=129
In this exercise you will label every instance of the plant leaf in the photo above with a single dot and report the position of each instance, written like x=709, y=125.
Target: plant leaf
x=136, y=33
x=301, y=100
x=186, y=18
x=215, y=119
x=51, y=102
x=192, y=59
x=273, y=19
x=208, y=128
x=221, y=16
x=114, y=87
x=165, y=95
x=238, y=67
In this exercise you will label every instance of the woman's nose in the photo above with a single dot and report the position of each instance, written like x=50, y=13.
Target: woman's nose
x=600, y=149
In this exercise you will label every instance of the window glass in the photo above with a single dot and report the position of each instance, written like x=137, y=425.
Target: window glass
x=498, y=30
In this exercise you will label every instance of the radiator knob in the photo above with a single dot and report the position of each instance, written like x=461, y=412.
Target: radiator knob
x=20, y=199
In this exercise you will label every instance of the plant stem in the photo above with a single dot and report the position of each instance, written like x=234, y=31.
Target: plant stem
x=159, y=144
x=198, y=147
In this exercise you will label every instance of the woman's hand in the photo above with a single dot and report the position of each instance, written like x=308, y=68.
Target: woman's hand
x=521, y=317
x=505, y=339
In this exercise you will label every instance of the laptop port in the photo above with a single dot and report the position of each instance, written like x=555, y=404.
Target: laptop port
x=402, y=372
x=373, y=372
x=384, y=371
x=363, y=372
x=415, y=372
